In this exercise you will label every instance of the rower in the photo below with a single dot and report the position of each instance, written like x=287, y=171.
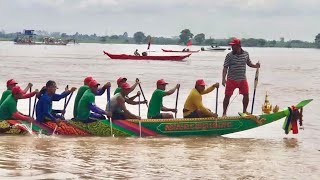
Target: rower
x=144, y=54
x=156, y=105
x=8, y=108
x=122, y=80
x=136, y=53
x=87, y=110
x=118, y=107
x=12, y=83
x=44, y=109
x=83, y=89
x=193, y=107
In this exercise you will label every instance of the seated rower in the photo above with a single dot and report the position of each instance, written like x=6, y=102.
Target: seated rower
x=184, y=50
x=193, y=107
x=12, y=83
x=83, y=89
x=87, y=109
x=8, y=109
x=156, y=106
x=118, y=106
x=136, y=53
x=144, y=54
x=44, y=109
x=187, y=50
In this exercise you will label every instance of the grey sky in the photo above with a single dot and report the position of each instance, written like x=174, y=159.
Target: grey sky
x=269, y=19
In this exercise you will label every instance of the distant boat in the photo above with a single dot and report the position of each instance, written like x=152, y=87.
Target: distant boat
x=27, y=38
x=214, y=48
x=133, y=57
x=164, y=50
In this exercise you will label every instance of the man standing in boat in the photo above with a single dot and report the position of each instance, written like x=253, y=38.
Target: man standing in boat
x=118, y=106
x=156, y=105
x=44, y=109
x=87, y=110
x=12, y=83
x=83, y=89
x=193, y=107
x=235, y=66
x=8, y=109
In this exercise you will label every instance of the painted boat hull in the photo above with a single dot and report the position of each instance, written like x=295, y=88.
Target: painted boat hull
x=132, y=57
x=160, y=127
x=164, y=50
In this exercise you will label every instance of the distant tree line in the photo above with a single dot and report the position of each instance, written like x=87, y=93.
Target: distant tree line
x=182, y=39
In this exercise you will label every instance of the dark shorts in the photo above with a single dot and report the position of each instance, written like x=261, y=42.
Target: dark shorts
x=118, y=116
x=158, y=116
x=194, y=114
x=231, y=85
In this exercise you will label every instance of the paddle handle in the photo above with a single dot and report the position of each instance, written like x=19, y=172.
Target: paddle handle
x=256, y=78
x=175, y=114
x=30, y=102
x=34, y=106
x=108, y=98
x=65, y=99
x=65, y=106
x=139, y=105
x=217, y=96
x=143, y=95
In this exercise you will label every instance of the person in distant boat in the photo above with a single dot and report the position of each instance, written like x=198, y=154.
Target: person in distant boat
x=136, y=53
x=156, y=105
x=118, y=104
x=144, y=54
x=187, y=50
x=193, y=107
x=12, y=83
x=8, y=109
x=83, y=89
x=184, y=50
x=87, y=110
x=235, y=66
x=44, y=109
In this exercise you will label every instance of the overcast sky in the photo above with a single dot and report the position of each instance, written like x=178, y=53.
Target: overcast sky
x=269, y=19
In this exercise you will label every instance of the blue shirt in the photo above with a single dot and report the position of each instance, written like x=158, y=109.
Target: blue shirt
x=44, y=105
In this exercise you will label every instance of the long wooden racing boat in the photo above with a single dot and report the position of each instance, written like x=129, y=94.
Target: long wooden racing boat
x=164, y=50
x=133, y=57
x=151, y=127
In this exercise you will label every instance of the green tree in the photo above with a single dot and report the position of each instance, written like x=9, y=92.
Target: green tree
x=199, y=38
x=185, y=35
x=317, y=41
x=139, y=37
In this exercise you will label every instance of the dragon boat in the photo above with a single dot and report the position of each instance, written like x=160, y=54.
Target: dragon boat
x=133, y=57
x=165, y=50
x=151, y=127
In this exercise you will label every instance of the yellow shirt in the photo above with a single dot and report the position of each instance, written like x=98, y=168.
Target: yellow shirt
x=194, y=102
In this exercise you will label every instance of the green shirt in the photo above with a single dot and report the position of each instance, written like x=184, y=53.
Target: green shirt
x=8, y=108
x=156, y=103
x=5, y=94
x=117, y=90
x=83, y=111
x=80, y=93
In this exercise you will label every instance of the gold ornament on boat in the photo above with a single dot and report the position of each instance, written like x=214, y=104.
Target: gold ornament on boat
x=266, y=107
x=276, y=109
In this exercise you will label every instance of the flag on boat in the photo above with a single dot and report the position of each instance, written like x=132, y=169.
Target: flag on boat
x=149, y=43
x=189, y=43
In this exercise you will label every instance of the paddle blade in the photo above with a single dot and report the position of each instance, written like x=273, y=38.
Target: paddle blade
x=256, y=78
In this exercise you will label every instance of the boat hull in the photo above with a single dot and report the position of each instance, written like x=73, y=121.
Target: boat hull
x=158, y=127
x=132, y=57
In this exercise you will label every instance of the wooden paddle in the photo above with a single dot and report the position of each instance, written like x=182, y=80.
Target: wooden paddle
x=30, y=102
x=143, y=95
x=109, y=108
x=65, y=99
x=217, y=95
x=175, y=114
x=34, y=105
x=255, y=88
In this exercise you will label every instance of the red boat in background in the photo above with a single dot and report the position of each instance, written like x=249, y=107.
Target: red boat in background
x=164, y=50
x=133, y=57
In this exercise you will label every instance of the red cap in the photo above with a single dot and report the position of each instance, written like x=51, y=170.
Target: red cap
x=200, y=82
x=235, y=41
x=161, y=82
x=87, y=80
x=17, y=90
x=93, y=83
x=125, y=86
x=121, y=79
x=11, y=82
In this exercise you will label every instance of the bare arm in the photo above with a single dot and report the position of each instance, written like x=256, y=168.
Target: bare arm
x=127, y=113
x=171, y=91
x=167, y=109
x=224, y=74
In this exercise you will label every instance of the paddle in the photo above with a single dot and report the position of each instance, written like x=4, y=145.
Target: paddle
x=255, y=88
x=139, y=116
x=30, y=102
x=217, y=95
x=34, y=105
x=143, y=94
x=66, y=104
x=175, y=114
x=109, y=108
x=65, y=99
